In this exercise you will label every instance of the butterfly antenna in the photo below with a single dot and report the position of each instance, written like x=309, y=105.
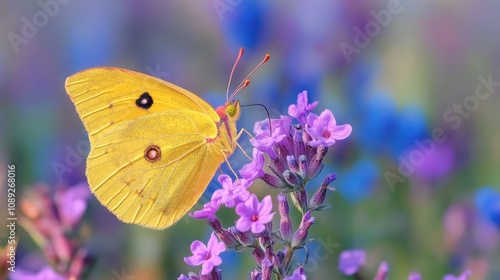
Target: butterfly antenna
x=267, y=112
x=240, y=54
x=246, y=81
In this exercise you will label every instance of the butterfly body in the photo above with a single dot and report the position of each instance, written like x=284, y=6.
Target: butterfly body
x=154, y=146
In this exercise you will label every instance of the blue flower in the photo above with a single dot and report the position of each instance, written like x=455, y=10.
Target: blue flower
x=488, y=202
x=357, y=183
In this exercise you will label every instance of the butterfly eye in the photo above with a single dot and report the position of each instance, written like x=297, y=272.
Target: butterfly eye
x=152, y=153
x=231, y=110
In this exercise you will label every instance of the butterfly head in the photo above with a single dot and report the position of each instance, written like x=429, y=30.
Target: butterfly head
x=231, y=110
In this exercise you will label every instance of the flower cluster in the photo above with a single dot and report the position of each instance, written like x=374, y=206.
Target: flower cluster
x=295, y=155
x=50, y=221
x=351, y=261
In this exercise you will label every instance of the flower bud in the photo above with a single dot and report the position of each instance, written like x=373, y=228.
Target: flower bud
x=214, y=223
x=293, y=165
x=246, y=238
x=292, y=179
x=214, y=275
x=299, y=199
x=273, y=181
x=267, y=269
x=302, y=166
x=320, y=195
x=285, y=221
x=228, y=238
x=258, y=254
x=281, y=255
x=256, y=275
x=300, y=235
x=316, y=163
x=299, y=147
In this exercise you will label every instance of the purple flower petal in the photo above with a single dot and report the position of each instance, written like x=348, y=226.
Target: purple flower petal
x=207, y=256
x=253, y=170
x=415, y=276
x=464, y=276
x=264, y=141
x=324, y=129
x=299, y=110
x=208, y=211
x=350, y=261
x=72, y=203
x=45, y=273
x=254, y=215
x=298, y=274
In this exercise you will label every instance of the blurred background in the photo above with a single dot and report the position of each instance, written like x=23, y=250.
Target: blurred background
x=419, y=81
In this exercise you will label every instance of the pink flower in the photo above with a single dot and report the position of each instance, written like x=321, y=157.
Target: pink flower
x=231, y=193
x=350, y=261
x=254, y=214
x=207, y=256
x=324, y=129
x=299, y=110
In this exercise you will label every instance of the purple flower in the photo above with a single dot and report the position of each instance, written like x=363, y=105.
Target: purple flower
x=415, y=276
x=324, y=129
x=45, y=273
x=382, y=272
x=208, y=211
x=253, y=170
x=254, y=214
x=264, y=141
x=231, y=193
x=207, y=256
x=350, y=261
x=300, y=110
x=464, y=276
x=72, y=203
x=298, y=274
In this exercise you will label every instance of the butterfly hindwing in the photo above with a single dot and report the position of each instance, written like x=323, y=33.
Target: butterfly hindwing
x=156, y=191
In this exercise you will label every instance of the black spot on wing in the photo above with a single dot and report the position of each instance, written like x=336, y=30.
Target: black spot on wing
x=145, y=101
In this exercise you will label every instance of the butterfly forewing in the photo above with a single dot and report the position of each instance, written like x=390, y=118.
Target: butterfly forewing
x=107, y=97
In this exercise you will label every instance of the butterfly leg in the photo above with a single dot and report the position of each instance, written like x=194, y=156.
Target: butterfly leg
x=239, y=146
x=224, y=151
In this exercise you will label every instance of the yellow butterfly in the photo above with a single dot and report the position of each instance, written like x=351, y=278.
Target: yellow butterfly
x=154, y=145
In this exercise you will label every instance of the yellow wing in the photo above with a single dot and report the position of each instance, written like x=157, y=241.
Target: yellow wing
x=106, y=97
x=152, y=170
